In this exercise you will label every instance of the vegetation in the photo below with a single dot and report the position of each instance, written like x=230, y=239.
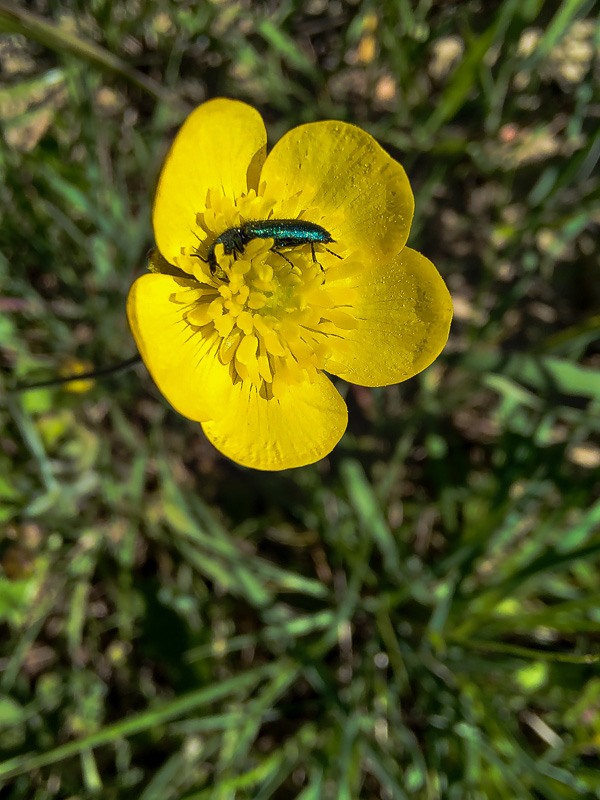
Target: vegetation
x=415, y=616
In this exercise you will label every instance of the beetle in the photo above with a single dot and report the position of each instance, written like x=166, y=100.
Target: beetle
x=284, y=232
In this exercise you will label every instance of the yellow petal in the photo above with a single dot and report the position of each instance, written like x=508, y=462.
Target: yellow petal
x=183, y=363
x=221, y=146
x=298, y=428
x=354, y=189
x=403, y=310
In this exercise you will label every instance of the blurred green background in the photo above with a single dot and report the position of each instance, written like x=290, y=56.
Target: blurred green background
x=418, y=615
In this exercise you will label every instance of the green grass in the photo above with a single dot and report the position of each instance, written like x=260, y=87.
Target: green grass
x=417, y=616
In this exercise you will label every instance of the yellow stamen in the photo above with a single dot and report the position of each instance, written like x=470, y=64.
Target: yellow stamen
x=273, y=314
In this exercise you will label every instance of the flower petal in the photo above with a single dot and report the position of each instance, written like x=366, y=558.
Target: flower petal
x=298, y=428
x=221, y=146
x=182, y=362
x=404, y=312
x=350, y=185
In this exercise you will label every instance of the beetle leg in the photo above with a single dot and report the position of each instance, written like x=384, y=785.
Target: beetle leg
x=279, y=253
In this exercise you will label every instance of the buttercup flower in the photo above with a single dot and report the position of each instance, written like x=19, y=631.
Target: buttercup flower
x=239, y=328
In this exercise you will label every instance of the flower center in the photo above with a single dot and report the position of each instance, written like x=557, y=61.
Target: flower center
x=268, y=309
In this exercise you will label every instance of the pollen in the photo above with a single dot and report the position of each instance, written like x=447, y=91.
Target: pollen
x=271, y=313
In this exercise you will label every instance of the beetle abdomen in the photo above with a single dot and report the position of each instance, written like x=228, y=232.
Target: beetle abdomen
x=287, y=232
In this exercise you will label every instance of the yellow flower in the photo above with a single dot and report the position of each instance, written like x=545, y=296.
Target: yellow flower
x=241, y=341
